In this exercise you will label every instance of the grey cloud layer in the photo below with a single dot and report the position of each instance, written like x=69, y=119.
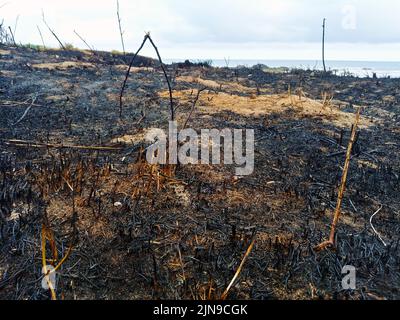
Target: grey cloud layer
x=290, y=21
x=180, y=22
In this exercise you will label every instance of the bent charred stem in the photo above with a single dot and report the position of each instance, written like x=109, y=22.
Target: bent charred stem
x=172, y=111
x=147, y=37
x=127, y=75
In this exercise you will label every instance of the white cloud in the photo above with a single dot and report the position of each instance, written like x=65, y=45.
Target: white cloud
x=213, y=26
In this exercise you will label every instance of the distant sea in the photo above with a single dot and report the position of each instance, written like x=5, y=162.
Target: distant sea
x=356, y=68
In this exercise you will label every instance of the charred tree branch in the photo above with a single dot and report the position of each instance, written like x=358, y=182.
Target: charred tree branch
x=52, y=32
x=147, y=37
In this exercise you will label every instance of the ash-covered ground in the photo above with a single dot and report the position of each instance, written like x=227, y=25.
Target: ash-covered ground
x=137, y=231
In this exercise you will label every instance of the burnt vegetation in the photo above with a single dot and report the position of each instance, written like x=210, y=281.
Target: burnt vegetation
x=77, y=193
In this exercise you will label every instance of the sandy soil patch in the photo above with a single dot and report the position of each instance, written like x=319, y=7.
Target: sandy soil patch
x=134, y=139
x=63, y=65
x=226, y=85
x=123, y=67
x=4, y=52
x=211, y=102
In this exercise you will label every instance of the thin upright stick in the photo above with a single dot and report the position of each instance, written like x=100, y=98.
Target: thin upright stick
x=52, y=32
x=323, y=44
x=12, y=36
x=331, y=241
x=84, y=41
x=120, y=28
x=41, y=36
x=15, y=26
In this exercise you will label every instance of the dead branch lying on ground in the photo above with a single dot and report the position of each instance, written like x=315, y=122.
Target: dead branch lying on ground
x=373, y=228
x=18, y=103
x=34, y=144
x=26, y=112
x=147, y=37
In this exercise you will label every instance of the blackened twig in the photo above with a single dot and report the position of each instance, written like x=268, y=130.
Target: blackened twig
x=41, y=36
x=52, y=32
x=84, y=41
x=172, y=110
x=147, y=37
x=127, y=75
x=12, y=36
x=193, y=107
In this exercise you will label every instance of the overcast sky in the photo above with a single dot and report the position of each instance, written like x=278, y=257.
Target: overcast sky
x=239, y=29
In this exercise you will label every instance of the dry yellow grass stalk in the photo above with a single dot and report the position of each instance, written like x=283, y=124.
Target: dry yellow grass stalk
x=239, y=270
x=47, y=235
x=331, y=241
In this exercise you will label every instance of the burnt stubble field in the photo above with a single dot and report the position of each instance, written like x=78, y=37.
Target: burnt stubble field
x=76, y=191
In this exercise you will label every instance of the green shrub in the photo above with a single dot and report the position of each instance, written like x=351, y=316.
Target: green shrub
x=117, y=53
x=69, y=46
x=34, y=47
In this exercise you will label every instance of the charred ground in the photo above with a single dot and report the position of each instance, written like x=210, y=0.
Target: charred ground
x=143, y=232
